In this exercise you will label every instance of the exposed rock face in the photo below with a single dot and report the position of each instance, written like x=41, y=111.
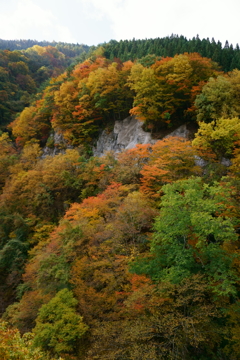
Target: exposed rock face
x=127, y=134
x=181, y=131
x=59, y=146
x=226, y=162
x=203, y=163
x=200, y=162
x=130, y=133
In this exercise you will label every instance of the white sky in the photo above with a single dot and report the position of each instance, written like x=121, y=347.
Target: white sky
x=96, y=21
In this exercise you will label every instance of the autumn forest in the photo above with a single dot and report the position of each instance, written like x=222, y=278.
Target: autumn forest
x=133, y=255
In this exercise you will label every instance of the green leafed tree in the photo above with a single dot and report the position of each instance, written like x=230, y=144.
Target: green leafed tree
x=219, y=98
x=192, y=233
x=59, y=327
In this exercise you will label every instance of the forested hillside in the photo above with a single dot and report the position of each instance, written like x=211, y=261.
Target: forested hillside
x=133, y=255
x=23, y=74
x=70, y=50
x=226, y=55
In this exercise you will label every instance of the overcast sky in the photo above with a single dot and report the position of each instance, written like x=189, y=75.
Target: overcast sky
x=97, y=21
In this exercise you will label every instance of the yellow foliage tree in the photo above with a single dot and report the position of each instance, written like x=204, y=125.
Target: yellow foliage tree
x=218, y=137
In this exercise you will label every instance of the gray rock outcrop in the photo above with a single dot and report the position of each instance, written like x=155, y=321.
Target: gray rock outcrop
x=181, y=131
x=127, y=134
x=59, y=145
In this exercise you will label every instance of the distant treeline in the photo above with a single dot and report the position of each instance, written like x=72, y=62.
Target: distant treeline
x=70, y=50
x=227, y=56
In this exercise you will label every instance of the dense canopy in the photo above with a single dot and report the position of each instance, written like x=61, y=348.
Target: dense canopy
x=132, y=255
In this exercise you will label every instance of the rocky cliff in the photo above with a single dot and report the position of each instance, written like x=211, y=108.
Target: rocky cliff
x=127, y=134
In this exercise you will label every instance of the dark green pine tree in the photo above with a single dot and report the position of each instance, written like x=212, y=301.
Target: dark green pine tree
x=235, y=64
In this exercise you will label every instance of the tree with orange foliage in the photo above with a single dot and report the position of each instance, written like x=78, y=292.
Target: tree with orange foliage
x=42, y=189
x=170, y=159
x=130, y=163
